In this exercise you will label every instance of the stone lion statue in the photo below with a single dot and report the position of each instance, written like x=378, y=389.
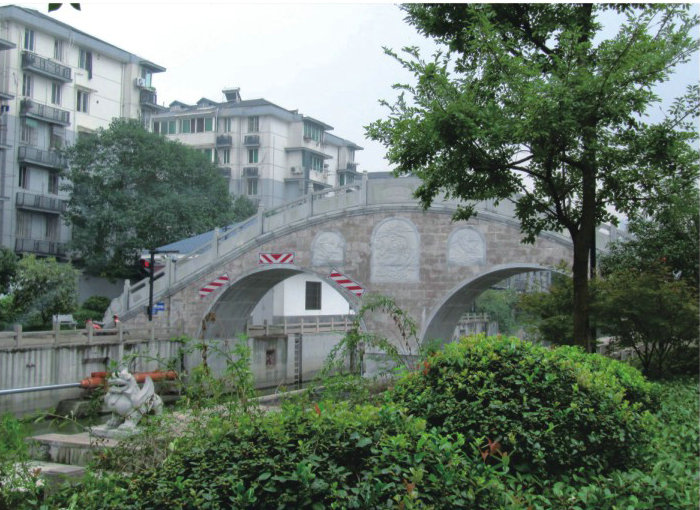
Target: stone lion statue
x=128, y=403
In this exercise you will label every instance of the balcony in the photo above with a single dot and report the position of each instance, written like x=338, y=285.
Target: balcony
x=250, y=171
x=224, y=171
x=3, y=137
x=224, y=141
x=29, y=108
x=45, y=67
x=148, y=98
x=251, y=140
x=40, y=157
x=40, y=247
x=42, y=203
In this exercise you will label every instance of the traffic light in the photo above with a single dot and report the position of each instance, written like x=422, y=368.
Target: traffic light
x=145, y=267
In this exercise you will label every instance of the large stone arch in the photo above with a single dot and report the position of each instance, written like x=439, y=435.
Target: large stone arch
x=236, y=302
x=443, y=318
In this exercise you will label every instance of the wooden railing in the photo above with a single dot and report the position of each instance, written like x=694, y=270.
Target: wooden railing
x=303, y=326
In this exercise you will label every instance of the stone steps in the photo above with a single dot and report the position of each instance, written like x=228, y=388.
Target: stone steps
x=72, y=449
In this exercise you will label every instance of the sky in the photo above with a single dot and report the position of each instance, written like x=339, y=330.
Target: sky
x=324, y=59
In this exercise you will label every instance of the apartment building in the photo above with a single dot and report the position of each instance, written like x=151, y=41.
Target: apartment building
x=56, y=84
x=268, y=153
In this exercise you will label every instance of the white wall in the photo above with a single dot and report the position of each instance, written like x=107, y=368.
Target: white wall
x=293, y=292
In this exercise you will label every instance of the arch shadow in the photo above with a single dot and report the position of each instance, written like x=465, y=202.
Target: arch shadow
x=444, y=317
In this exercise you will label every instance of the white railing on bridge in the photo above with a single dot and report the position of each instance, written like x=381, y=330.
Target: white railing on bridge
x=226, y=244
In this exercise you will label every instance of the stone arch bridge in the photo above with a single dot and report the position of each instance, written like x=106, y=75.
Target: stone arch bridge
x=375, y=234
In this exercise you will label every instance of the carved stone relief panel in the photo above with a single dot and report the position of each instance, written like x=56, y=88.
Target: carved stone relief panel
x=395, y=251
x=466, y=247
x=328, y=249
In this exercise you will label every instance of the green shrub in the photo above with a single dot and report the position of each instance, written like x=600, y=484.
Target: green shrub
x=554, y=411
x=97, y=303
x=326, y=457
x=637, y=388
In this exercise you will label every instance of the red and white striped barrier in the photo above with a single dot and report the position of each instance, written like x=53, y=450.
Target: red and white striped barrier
x=212, y=286
x=346, y=282
x=276, y=258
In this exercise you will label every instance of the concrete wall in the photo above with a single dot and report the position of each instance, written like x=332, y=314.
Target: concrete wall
x=28, y=366
x=272, y=358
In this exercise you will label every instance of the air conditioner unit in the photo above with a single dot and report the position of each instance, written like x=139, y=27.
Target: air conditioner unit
x=140, y=82
x=296, y=170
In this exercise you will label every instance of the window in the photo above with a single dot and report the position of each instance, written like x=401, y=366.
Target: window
x=253, y=124
x=53, y=183
x=270, y=358
x=252, y=155
x=57, y=137
x=313, y=295
x=28, y=39
x=316, y=163
x=226, y=156
x=58, y=50
x=56, y=93
x=227, y=125
x=24, y=224
x=208, y=153
x=165, y=127
x=83, y=101
x=28, y=133
x=27, y=85
x=147, y=76
x=85, y=61
x=252, y=187
x=312, y=132
x=52, y=228
x=23, y=177
x=197, y=125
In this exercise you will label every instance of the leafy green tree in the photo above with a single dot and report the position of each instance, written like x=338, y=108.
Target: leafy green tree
x=531, y=103
x=133, y=190
x=671, y=237
x=44, y=287
x=501, y=307
x=651, y=312
x=548, y=314
x=8, y=268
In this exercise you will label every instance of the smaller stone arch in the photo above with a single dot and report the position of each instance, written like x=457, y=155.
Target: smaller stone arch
x=395, y=251
x=443, y=317
x=466, y=247
x=328, y=249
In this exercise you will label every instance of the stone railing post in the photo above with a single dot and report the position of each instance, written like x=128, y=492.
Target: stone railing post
x=125, y=295
x=261, y=218
x=215, y=244
x=365, y=188
x=56, y=329
x=18, y=334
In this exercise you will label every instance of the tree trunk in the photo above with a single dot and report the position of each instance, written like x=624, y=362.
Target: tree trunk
x=581, y=310
x=582, y=240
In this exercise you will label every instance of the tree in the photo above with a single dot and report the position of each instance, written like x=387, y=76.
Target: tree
x=651, y=312
x=43, y=288
x=670, y=237
x=8, y=268
x=528, y=104
x=548, y=313
x=133, y=190
x=500, y=305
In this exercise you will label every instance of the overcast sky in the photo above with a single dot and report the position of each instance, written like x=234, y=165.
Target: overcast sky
x=324, y=59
